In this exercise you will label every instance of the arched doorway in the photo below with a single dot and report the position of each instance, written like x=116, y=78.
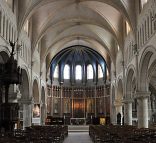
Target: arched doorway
x=43, y=106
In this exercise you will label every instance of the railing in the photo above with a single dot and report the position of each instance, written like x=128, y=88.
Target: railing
x=78, y=121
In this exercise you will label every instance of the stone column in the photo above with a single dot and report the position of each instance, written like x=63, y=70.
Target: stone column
x=128, y=111
x=95, y=102
x=43, y=113
x=72, y=102
x=27, y=112
x=61, y=100
x=52, y=101
x=142, y=109
x=84, y=96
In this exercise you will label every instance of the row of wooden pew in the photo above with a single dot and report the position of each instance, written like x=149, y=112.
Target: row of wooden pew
x=36, y=134
x=121, y=134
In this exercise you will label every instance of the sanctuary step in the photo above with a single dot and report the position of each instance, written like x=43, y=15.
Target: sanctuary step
x=78, y=128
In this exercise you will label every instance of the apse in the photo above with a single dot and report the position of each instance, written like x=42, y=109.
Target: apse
x=78, y=81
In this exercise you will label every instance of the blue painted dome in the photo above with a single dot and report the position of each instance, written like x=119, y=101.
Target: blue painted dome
x=78, y=55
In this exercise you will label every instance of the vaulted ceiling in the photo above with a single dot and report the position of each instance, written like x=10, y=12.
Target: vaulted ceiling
x=58, y=24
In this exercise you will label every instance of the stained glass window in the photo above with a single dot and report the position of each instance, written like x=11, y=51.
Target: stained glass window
x=56, y=72
x=100, y=73
x=66, y=72
x=89, y=72
x=78, y=72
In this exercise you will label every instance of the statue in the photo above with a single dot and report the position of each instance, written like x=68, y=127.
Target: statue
x=13, y=47
x=119, y=119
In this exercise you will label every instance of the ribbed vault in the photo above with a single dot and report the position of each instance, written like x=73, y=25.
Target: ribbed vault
x=58, y=23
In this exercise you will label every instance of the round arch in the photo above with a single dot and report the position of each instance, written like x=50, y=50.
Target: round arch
x=144, y=66
x=36, y=110
x=129, y=81
x=25, y=109
x=148, y=76
x=35, y=91
x=119, y=90
x=24, y=87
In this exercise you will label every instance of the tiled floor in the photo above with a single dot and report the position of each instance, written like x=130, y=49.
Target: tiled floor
x=78, y=137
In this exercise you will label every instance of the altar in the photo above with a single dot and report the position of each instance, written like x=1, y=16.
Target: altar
x=77, y=121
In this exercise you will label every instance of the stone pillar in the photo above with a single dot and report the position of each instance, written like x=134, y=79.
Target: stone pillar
x=104, y=100
x=142, y=109
x=84, y=96
x=72, y=102
x=27, y=112
x=128, y=112
x=95, y=102
x=43, y=113
x=61, y=100
x=52, y=101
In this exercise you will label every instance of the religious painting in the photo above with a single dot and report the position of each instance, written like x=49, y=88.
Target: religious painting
x=90, y=105
x=56, y=106
x=66, y=105
x=36, y=111
x=102, y=121
x=79, y=108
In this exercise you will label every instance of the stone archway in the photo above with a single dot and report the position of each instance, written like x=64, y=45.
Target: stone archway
x=129, y=83
x=146, y=60
x=43, y=106
x=25, y=101
x=147, y=66
x=36, y=112
x=152, y=90
x=118, y=99
x=129, y=95
x=35, y=92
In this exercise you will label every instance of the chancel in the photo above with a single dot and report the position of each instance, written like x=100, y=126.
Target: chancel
x=77, y=71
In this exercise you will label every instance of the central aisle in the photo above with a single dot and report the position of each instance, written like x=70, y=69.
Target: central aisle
x=78, y=137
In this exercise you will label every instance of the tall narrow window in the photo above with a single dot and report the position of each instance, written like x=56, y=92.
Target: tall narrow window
x=89, y=72
x=56, y=72
x=26, y=27
x=128, y=29
x=107, y=74
x=66, y=72
x=78, y=72
x=100, y=73
x=143, y=2
x=118, y=47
